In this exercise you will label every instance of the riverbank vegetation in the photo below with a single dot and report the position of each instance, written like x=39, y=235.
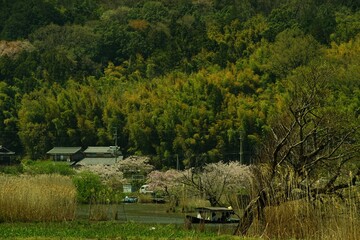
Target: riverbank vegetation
x=104, y=230
x=47, y=206
x=37, y=198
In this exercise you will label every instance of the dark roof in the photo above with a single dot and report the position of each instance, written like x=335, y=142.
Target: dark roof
x=96, y=161
x=64, y=150
x=214, y=209
x=5, y=151
x=99, y=150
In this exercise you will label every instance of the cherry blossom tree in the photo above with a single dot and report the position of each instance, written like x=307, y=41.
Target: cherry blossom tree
x=135, y=164
x=169, y=182
x=217, y=182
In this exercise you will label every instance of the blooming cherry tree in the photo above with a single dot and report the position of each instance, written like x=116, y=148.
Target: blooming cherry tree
x=169, y=182
x=135, y=164
x=217, y=181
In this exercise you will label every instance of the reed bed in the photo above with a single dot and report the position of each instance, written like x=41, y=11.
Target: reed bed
x=325, y=219
x=37, y=198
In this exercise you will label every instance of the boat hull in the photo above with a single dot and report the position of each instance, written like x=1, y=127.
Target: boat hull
x=193, y=219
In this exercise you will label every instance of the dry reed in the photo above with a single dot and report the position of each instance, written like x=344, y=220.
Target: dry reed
x=37, y=198
x=325, y=219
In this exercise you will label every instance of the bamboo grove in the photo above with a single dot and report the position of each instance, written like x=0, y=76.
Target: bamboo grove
x=187, y=82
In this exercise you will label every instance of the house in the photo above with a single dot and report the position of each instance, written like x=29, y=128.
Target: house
x=70, y=154
x=6, y=156
x=104, y=152
x=94, y=155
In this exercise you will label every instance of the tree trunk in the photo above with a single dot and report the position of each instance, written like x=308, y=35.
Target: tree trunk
x=247, y=219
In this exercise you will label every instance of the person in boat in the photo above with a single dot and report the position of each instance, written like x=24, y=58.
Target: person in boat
x=225, y=216
x=200, y=215
x=213, y=216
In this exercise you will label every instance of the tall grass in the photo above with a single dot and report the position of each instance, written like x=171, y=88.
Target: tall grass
x=37, y=198
x=323, y=216
x=327, y=219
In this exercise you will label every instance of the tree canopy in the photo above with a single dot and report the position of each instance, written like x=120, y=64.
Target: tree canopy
x=180, y=80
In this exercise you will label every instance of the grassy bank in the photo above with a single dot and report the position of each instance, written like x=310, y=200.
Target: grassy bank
x=104, y=230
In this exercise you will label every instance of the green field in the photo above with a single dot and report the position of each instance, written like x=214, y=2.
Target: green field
x=122, y=221
x=87, y=229
x=106, y=230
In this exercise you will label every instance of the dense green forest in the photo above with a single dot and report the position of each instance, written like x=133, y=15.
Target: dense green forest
x=185, y=79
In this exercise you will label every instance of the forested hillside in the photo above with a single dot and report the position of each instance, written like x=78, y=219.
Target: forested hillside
x=188, y=80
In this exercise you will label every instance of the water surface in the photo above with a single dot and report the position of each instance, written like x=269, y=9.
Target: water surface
x=136, y=212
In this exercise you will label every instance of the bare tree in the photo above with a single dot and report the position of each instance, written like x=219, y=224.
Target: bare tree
x=311, y=147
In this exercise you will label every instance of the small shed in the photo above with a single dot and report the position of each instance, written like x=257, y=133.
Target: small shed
x=70, y=154
x=6, y=156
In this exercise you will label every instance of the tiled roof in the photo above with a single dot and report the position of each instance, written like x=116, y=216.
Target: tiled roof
x=96, y=161
x=5, y=151
x=64, y=150
x=98, y=150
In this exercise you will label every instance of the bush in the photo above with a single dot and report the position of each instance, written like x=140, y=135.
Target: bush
x=145, y=198
x=13, y=170
x=88, y=186
x=47, y=167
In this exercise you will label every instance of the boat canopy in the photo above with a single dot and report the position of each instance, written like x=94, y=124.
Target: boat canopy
x=215, y=209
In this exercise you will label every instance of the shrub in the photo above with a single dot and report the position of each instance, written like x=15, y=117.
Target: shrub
x=88, y=186
x=47, y=167
x=145, y=198
x=13, y=169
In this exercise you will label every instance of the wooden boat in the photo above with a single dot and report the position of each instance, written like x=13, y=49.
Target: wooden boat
x=213, y=215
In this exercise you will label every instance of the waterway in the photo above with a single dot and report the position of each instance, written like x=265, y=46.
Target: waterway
x=148, y=213
x=136, y=212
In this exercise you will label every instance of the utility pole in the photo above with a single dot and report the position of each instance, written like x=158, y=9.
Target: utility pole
x=116, y=147
x=241, y=148
x=177, y=162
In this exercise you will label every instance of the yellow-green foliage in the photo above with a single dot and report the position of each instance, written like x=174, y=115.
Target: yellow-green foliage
x=145, y=198
x=37, y=198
